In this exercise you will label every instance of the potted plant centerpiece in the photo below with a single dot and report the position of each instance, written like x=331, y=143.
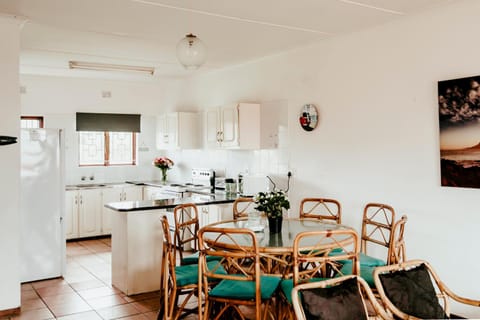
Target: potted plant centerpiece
x=272, y=203
x=164, y=164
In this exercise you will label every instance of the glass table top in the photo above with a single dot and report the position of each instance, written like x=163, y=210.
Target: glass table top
x=285, y=239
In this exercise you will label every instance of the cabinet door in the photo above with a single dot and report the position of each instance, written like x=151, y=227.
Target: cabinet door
x=172, y=130
x=71, y=214
x=212, y=128
x=162, y=132
x=229, y=121
x=109, y=195
x=225, y=211
x=90, y=212
x=132, y=193
x=208, y=215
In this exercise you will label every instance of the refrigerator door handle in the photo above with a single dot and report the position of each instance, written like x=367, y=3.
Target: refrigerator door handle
x=5, y=140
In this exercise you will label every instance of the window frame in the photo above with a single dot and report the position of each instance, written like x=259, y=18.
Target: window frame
x=39, y=118
x=106, y=152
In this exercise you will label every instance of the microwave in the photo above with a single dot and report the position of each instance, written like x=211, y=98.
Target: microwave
x=253, y=184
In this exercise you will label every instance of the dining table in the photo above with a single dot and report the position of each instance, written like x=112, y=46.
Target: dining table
x=276, y=249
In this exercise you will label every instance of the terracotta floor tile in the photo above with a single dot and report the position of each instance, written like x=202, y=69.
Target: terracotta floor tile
x=69, y=308
x=118, y=311
x=89, y=260
x=147, y=305
x=151, y=315
x=26, y=287
x=32, y=304
x=108, y=301
x=106, y=256
x=90, y=284
x=38, y=314
x=74, y=252
x=48, y=283
x=55, y=290
x=106, y=280
x=78, y=275
x=62, y=299
x=89, y=315
x=134, y=317
x=97, y=292
x=85, y=292
x=28, y=295
x=143, y=296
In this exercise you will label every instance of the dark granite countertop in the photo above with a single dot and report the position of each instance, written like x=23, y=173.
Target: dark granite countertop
x=128, y=206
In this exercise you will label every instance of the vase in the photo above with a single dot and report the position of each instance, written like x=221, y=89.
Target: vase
x=164, y=175
x=275, y=240
x=275, y=224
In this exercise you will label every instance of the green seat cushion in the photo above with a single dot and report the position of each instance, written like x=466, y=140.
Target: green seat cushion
x=287, y=287
x=193, y=258
x=245, y=289
x=366, y=272
x=188, y=274
x=366, y=260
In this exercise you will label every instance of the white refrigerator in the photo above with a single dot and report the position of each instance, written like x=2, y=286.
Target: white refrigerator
x=42, y=204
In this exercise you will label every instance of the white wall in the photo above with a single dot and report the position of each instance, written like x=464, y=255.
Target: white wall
x=59, y=98
x=378, y=138
x=10, y=168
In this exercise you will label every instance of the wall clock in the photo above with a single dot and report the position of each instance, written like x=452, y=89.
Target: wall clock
x=308, y=117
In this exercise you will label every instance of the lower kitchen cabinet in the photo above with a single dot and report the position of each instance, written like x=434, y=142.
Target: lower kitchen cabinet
x=71, y=214
x=117, y=194
x=83, y=213
x=213, y=213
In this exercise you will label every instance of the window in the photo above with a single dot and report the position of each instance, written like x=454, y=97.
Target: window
x=30, y=122
x=107, y=148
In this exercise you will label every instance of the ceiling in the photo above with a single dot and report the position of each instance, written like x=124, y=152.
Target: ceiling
x=146, y=32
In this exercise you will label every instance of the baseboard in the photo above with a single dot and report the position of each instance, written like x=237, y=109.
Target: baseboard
x=105, y=236
x=10, y=312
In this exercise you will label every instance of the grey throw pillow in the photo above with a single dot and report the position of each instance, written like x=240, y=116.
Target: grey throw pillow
x=340, y=302
x=413, y=293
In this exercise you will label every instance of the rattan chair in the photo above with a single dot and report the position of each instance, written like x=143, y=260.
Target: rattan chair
x=408, y=292
x=377, y=223
x=170, y=289
x=313, y=261
x=346, y=297
x=243, y=285
x=395, y=252
x=186, y=231
x=242, y=206
x=320, y=208
x=397, y=249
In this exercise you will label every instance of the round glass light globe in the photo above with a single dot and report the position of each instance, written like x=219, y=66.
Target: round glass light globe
x=191, y=52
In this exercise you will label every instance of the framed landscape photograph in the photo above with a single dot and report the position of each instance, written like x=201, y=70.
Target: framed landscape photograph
x=459, y=117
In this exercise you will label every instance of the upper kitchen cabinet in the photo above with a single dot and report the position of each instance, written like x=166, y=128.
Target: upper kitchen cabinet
x=234, y=127
x=243, y=126
x=178, y=130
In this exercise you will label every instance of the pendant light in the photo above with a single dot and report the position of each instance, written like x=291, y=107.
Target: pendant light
x=191, y=52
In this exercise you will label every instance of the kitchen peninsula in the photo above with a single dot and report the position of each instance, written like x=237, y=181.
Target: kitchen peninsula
x=137, y=237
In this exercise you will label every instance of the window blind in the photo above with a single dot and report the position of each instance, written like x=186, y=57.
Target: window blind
x=113, y=122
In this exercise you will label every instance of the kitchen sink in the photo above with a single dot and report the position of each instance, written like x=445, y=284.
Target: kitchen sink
x=91, y=185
